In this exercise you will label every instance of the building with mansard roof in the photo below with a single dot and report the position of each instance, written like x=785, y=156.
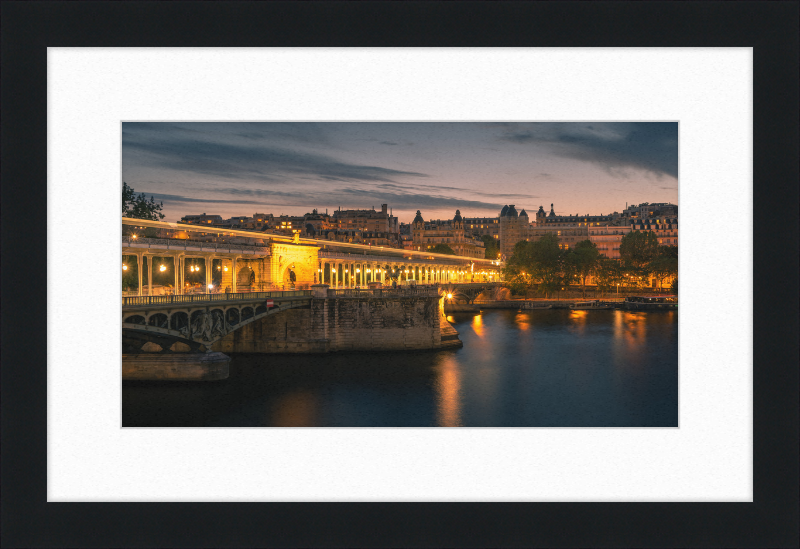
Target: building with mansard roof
x=427, y=234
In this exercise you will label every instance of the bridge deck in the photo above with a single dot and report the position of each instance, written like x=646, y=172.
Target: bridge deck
x=213, y=298
x=292, y=295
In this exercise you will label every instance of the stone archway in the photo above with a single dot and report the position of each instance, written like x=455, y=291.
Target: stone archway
x=289, y=278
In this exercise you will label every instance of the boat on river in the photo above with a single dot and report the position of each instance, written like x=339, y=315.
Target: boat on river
x=591, y=305
x=651, y=302
x=531, y=305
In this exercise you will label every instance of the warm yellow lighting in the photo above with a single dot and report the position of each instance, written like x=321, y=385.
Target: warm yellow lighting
x=358, y=270
x=124, y=267
x=134, y=237
x=225, y=269
x=449, y=296
x=333, y=270
x=210, y=286
x=162, y=268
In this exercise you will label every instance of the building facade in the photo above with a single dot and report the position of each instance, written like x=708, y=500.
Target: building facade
x=426, y=235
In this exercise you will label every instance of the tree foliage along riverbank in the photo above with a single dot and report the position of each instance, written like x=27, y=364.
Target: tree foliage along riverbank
x=138, y=206
x=547, y=267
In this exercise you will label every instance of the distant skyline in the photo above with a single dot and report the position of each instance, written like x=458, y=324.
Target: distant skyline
x=234, y=169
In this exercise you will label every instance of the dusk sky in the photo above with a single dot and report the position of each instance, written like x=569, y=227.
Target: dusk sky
x=234, y=169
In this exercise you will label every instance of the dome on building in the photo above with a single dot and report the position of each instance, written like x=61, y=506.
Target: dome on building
x=523, y=213
x=512, y=211
x=504, y=211
x=418, y=218
x=458, y=216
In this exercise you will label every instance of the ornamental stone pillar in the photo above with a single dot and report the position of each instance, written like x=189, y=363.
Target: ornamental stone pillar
x=149, y=275
x=139, y=260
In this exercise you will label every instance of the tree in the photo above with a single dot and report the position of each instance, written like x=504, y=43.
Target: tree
x=138, y=206
x=518, y=269
x=584, y=257
x=674, y=286
x=548, y=263
x=638, y=248
x=491, y=247
x=442, y=249
x=608, y=274
x=663, y=267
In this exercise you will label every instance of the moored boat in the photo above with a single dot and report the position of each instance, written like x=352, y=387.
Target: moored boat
x=591, y=305
x=530, y=305
x=651, y=303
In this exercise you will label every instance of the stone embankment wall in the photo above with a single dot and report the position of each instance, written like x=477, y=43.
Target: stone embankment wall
x=348, y=324
x=516, y=304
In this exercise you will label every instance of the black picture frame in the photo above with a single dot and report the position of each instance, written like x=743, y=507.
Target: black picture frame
x=771, y=28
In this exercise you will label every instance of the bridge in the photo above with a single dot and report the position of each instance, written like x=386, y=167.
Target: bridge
x=170, y=258
x=192, y=293
x=194, y=323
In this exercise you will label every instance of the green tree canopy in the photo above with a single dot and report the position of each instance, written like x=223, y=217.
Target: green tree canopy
x=638, y=248
x=608, y=274
x=491, y=247
x=442, y=249
x=668, y=251
x=584, y=258
x=665, y=264
x=541, y=262
x=138, y=206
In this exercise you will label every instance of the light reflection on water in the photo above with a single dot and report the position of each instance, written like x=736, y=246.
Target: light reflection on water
x=516, y=368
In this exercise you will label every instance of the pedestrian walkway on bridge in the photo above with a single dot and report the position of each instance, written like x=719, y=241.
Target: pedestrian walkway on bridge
x=162, y=259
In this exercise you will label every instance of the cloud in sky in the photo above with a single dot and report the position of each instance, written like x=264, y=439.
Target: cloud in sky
x=434, y=167
x=261, y=163
x=649, y=146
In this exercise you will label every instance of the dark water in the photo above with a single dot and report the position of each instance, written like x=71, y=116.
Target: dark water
x=555, y=368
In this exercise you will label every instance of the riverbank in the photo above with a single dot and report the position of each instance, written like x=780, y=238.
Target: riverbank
x=524, y=304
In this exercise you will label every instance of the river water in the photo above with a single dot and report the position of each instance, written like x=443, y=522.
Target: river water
x=553, y=368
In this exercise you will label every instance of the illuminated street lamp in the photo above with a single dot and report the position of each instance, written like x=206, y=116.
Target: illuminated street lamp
x=124, y=267
x=162, y=268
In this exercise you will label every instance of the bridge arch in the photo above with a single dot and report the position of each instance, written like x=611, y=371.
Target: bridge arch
x=289, y=277
x=195, y=328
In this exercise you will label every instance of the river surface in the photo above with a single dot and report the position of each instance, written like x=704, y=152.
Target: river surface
x=553, y=368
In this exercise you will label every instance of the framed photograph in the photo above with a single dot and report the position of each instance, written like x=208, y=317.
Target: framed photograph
x=723, y=473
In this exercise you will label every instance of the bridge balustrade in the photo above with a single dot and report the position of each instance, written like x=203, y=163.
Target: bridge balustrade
x=205, y=298
x=383, y=292
x=188, y=244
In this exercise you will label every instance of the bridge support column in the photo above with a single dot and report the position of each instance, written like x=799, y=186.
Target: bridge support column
x=149, y=275
x=139, y=270
x=175, y=266
x=209, y=265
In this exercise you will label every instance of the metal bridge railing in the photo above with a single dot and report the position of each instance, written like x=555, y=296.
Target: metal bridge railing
x=383, y=292
x=206, y=298
x=194, y=244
